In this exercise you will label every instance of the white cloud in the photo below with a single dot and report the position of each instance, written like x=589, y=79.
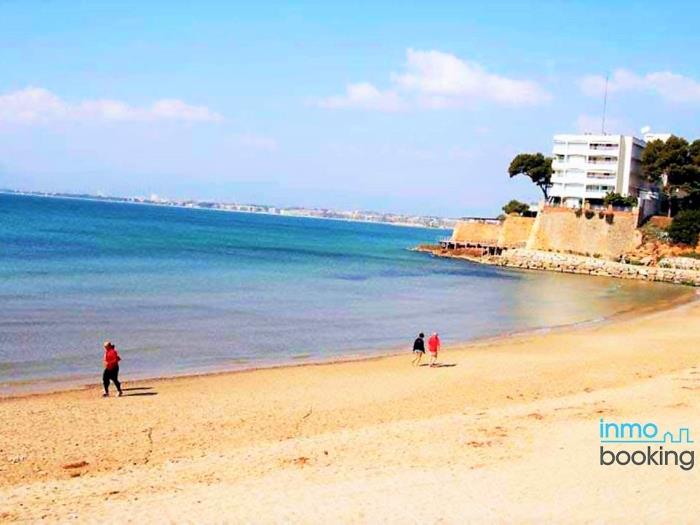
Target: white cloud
x=175, y=109
x=38, y=105
x=445, y=75
x=669, y=86
x=364, y=95
x=621, y=80
x=437, y=80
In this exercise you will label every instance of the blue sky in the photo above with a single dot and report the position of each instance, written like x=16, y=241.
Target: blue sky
x=407, y=107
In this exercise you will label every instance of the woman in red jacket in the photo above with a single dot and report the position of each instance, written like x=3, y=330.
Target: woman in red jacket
x=433, y=347
x=111, y=372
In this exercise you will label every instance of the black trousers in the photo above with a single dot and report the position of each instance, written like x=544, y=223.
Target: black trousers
x=111, y=375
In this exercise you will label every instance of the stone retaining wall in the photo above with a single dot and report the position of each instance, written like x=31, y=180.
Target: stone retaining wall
x=586, y=232
x=477, y=232
x=606, y=233
x=515, y=231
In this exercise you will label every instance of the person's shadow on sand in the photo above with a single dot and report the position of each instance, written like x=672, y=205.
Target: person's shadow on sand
x=138, y=391
x=441, y=365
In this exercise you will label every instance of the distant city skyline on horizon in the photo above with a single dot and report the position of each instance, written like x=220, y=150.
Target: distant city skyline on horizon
x=359, y=215
x=416, y=109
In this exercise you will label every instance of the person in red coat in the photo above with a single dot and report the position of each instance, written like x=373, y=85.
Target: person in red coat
x=111, y=371
x=433, y=347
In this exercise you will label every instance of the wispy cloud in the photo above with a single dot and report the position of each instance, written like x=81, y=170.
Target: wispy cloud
x=672, y=87
x=257, y=142
x=438, y=80
x=38, y=105
x=364, y=95
x=593, y=124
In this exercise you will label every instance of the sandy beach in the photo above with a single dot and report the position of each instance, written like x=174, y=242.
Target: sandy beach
x=508, y=432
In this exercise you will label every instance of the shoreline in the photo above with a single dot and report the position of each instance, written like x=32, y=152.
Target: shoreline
x=659, y=307
x=516, y=417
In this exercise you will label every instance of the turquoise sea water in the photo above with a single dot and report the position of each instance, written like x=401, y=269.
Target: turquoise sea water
x=183, y=291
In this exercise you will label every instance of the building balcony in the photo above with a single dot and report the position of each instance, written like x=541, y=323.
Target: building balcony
x=571, y=164
x=610, y=166
x=595, y=194
x=599, y=169
x=592, y=159
x=570, y=178
x=567, y=191
x=604, y=147
x=570, y=149
x=607, y=181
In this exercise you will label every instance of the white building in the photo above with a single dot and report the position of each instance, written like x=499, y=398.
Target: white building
x=587, y=167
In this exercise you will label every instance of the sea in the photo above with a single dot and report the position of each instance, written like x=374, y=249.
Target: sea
x=185, y=291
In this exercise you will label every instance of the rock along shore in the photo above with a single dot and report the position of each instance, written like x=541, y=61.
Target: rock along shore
x=668, y=272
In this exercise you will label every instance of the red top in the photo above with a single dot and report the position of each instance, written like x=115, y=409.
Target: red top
x=433, y=343
x=111, y=359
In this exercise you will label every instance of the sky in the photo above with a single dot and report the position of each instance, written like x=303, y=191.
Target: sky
x=410, y=107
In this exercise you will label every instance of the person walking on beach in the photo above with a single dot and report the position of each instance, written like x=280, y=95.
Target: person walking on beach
x=418, y=349
x=111, y=372
x=433, y=347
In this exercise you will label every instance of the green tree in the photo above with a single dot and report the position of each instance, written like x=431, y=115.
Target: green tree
x=691, y=201
x=515, y=206
x=619, y=200
x=676, y=164
x=664, y=159
x=695, y=152
x=536, y=166
x=685, y=227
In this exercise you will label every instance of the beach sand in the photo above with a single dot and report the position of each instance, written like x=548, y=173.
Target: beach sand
x=508, y=433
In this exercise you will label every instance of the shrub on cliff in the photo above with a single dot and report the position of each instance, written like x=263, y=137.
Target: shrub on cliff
x=651, y=232
x=515, y=206
x=618, y=200
x=685, y=227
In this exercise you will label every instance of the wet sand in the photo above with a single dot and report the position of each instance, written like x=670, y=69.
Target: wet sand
x=507, y=432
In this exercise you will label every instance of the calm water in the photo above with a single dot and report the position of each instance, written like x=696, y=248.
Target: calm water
x=190, y=290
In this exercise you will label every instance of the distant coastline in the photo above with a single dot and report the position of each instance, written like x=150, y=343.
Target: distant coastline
x=394, y=219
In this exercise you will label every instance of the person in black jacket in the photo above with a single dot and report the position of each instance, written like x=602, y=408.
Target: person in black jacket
x=418, y=349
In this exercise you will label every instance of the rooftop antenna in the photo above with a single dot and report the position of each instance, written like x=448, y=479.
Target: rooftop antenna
x=605, y=101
